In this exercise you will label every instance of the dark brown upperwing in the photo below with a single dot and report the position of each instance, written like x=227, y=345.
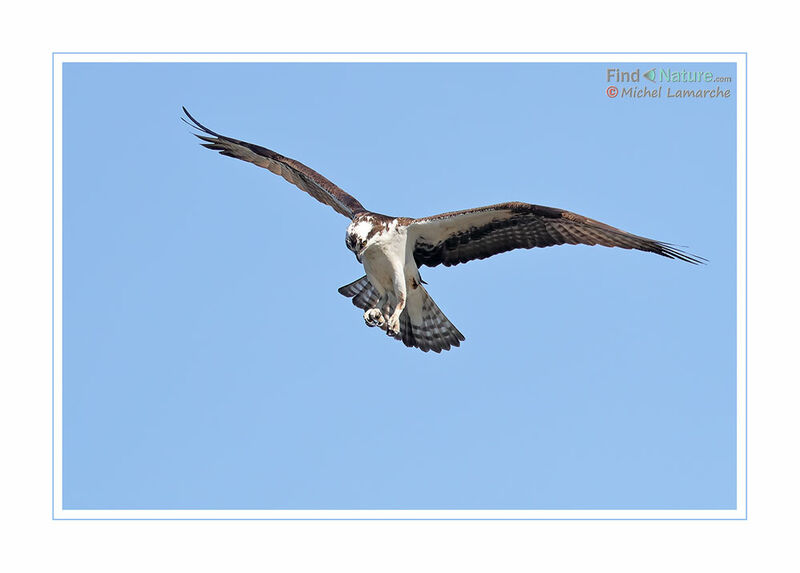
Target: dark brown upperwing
x=461, y=236
x=293, y=171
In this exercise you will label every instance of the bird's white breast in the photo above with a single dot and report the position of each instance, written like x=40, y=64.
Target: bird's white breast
x=385, y=257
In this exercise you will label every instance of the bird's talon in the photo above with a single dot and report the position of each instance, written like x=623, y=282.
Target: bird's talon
x=393, y=327
x=374, y=317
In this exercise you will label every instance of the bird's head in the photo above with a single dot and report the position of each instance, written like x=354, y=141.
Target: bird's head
x=358, y=234
x=355, y=244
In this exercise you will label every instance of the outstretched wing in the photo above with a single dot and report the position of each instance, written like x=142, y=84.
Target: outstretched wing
x=293, y=171
x=461, y=236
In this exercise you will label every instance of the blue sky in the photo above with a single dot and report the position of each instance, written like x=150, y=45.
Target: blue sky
x=209, y=362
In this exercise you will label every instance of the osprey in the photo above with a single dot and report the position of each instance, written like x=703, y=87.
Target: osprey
x=392, y=249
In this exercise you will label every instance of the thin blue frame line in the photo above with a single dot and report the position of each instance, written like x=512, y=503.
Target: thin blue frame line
x=52, y=316
x=398, y=53
x=52, y=284
x=397, y=518
x=746, y=291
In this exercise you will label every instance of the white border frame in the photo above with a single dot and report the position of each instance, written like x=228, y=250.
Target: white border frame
x=740, y=59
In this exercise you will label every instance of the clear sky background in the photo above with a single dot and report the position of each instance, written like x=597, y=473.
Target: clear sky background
x=209, y=362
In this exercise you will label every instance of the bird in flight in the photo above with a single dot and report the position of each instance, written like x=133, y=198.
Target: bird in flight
x=392, y=249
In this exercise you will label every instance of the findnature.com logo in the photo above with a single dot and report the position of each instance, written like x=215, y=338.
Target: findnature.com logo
x=662, y=78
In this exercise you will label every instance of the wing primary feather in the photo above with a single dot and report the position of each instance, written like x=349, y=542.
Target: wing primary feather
x=196, y=124
x=296, y=173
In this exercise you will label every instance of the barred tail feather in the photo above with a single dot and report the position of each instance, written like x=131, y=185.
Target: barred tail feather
x=423, y=325
x=364, y=295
